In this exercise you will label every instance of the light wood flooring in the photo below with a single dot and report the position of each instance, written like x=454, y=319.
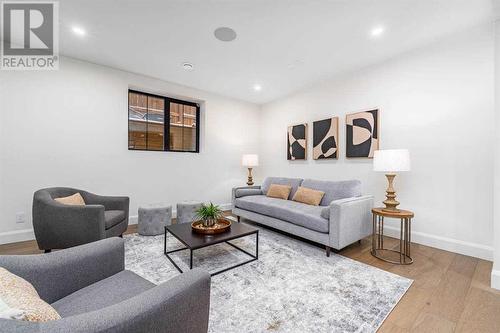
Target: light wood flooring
x=450, y=292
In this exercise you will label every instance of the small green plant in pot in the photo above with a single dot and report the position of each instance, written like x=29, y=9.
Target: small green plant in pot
x=209, y=214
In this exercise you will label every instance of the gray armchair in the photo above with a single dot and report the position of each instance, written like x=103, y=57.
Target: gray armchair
x=59, y=226
x=92, y=292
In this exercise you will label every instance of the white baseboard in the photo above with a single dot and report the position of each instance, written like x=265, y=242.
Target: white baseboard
x=448, y=244
x=16, y=236
x=28, y=234
x=495, y=279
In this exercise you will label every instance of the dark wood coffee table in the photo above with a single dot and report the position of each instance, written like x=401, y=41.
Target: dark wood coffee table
x=194, y=241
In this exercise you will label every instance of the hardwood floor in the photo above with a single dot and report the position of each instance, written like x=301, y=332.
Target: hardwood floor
x=450, y=292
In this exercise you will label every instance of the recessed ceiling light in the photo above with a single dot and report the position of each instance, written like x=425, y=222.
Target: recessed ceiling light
x=188, y=66
x=79, y=31
x=377, y=31
x=257, y=87
x=225, y=34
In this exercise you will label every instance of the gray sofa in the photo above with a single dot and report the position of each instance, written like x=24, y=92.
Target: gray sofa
x=59, y=226
x=92, y=292
x=342, y=218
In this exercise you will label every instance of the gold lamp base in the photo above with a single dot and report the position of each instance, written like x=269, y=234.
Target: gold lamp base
x=250, y=178
x=390, y=202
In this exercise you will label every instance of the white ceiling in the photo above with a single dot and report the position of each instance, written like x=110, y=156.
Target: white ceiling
x=282, y=45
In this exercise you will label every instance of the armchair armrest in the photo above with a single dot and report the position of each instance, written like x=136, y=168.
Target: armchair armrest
x=109, y=202
x=242, y=191
x=350, y=220
x=180, y=305
x=58, y=274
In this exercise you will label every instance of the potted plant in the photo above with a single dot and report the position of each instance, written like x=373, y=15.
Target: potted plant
x=209, y=214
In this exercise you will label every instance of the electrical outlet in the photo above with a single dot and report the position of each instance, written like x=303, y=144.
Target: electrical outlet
x=20, y=217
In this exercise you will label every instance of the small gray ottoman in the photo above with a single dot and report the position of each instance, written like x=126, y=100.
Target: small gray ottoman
x=153, y=218
x=186, y=211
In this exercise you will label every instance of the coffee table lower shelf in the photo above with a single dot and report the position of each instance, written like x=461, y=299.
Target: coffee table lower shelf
x=191, y=250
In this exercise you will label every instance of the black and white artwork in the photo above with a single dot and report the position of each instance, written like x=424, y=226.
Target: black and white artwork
x=297, y=142
x=362, y=133
x=326, y=138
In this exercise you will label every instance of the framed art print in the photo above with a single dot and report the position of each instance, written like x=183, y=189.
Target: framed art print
x=297, y=142
x=362, y=133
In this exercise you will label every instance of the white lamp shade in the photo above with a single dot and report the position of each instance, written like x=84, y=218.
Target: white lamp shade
x=250, y=160
x=391, y=160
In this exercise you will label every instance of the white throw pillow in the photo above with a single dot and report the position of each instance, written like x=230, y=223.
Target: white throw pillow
x=6, y=312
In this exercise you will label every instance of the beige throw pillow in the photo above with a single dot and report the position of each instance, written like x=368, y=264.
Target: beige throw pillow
x=308, y=196
x=19, y=300
x=279, y=191
x=74, y=200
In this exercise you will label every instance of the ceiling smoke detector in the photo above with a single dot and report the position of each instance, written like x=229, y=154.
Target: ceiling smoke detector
x=225, y=34
x=188, y=66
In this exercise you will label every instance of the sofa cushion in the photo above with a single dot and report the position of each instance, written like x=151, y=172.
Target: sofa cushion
x=325, y=212
x=113, y=217
x=293, y=182
x=334, y=190
x=291, y=211
x=308, y=196
x=279, y=191
x=101, y=294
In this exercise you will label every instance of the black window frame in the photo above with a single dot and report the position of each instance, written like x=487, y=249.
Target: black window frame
x=166, y=122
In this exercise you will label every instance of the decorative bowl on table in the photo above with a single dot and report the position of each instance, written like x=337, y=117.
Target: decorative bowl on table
x=222, y=225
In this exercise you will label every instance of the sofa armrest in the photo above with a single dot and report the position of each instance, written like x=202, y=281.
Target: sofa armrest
x=58, y=274
x=242, y=191
x=350, y=220
x=180, y=305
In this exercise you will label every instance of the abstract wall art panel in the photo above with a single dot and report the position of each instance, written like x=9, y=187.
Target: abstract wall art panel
x=297, y=142
x=362, y=133
x=326, y=138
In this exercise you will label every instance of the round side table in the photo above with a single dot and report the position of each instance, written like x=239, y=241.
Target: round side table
x=404, y=240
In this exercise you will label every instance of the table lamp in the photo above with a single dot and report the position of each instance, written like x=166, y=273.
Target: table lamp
x=391, y=161
x=250, y=161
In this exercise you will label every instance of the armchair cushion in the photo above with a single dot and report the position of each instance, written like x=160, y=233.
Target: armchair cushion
x=113, y=217
x=101, y=294
x=75, y=199
x=19, y=294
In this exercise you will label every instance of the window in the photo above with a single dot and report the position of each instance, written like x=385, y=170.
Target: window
x=162, y=124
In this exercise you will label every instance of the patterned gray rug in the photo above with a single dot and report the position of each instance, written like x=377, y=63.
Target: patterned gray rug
x=293, y=287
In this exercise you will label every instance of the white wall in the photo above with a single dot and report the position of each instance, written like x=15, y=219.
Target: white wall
x=495, y=274
x=69, y=128
x=437, y=102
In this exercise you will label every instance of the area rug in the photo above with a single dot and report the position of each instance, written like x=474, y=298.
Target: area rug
x=293, y=287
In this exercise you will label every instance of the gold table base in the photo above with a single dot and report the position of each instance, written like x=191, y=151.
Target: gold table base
x=404, y=239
